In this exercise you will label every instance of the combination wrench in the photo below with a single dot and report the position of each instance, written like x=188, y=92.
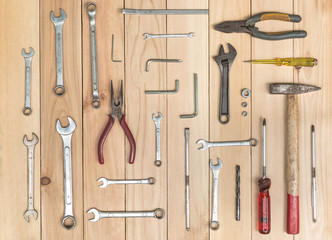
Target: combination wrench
x=28, y=59
x=92, y=8
x=106, y=182
x=215, y=169
x=31, y=148
x=157, y=213
x=66, y=134
x=58, y=24
x=157, y=123
x=205, y=145
x=148, y=36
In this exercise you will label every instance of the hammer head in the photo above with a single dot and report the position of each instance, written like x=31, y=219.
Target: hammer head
x=291, y=88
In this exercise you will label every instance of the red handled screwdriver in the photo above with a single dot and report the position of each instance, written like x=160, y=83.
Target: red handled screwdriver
x=264, y=184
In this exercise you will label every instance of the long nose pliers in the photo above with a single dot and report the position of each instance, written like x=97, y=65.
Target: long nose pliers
x=248, y=26
x=116, y=113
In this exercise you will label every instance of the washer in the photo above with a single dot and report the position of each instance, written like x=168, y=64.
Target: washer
x=244, y=114
x=246, y=93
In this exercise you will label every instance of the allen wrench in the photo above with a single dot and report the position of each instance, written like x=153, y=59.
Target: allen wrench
x=195, y=100
x=164, y=91
x=113, y=60
x=147, y=68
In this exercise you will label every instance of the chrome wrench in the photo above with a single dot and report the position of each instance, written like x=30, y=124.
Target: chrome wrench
x=157, y=213
x=215, y=169
x=157, y=123
x=148, y=36
x=58, y=24
x=106, y=182
x=31, y=147
x=205, y=145
x=28, y=59
x=92, y=8
x=66, y=134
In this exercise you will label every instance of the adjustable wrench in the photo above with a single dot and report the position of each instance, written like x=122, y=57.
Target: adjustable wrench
x=205, y=145
x=106, y=182
x=58, y=24
x=92, y=8
x=31, y=147
x=215, y=169
x=66, y=134
x=27, y=58
x=158, y=213
x=225, y=62
x=157, y=123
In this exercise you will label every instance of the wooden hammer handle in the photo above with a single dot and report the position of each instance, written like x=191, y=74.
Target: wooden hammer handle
x=292, y=165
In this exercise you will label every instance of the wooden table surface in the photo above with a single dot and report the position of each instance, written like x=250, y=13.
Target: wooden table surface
x=27, y=24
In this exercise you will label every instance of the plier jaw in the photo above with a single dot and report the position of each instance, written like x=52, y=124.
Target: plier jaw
x=116, y=104
x=232, y=26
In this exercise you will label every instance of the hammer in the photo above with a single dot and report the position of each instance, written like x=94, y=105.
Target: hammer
x=292, y=90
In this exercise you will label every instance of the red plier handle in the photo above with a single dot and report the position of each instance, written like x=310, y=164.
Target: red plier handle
x=106, y=132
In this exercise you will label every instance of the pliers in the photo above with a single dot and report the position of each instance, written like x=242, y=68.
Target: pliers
x=248, y=26
x=116, y=112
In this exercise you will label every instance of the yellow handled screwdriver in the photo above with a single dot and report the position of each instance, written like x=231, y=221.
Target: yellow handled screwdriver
x=296, y=62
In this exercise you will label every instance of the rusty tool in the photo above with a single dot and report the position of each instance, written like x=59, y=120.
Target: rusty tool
x=116, y=112
x=292, y=90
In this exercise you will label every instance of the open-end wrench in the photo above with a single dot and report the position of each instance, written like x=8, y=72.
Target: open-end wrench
x=28, y=59
x=58, y=24
x=186, y=35
x=224, y=62
x=66, y=134
x=92, y=8
x=215, y=169
x=205, y=145
x=157, y=213
x=157, y=123
x=106, y=182
x=31, y=147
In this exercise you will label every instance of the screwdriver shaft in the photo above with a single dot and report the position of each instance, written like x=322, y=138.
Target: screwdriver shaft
x=297, y=62
x=186, y=132
x=313, y=175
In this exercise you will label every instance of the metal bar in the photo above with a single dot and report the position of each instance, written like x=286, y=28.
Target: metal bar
x=166, y=11
x=195, y=100
x=164, y=91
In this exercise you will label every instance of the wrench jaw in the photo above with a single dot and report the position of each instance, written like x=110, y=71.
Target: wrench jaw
x=146, y=36
x=32, y=212
x=28, y=55
x=32, y=142
x=96, y=215
x=215, y=167
x=103, y=181
x=204, y=144
x=61, y=19
x=157, y=119
x=66, y=130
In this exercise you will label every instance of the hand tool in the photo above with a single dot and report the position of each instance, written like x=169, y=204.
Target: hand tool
x=113, y=60
x=215, y=169
x=31, y=148
x=92, y=9
x=160, y=60
x=157, y=121
x=205, y=145
x=224, y=62
x=313, y=176
x=28, y=59
x=116, y=113
x=175, y=35
x=237, y=191
x=106, y=182
x=245, y=93
x=264, y=184
x=195, y=100
x=291, y=90
x=58, y=24
x=164, y=91
x=166, y=11
x=186, y=134
x=248, y=26
x=296, y=62
x=157, y=213
x=68, y=221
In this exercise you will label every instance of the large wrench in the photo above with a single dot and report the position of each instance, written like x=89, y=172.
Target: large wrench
x=58, y=24
x=66, y=134
x=106, y=182
x=157, y=123
x=205, y=145
x=92, y=8
x=31, y=147
x=28, y=59
x=224, y=62
x=215, y=169
x=157, y=213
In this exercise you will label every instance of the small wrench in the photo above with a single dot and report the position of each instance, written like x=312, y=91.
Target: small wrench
x=66, y=134
x=215, y=169
x=58, y=24
x=31, y=147
x=92, y=8
x=157, y=213
x=205, y=145
x=187, y=35
x=28, y=59
x=105, y=182
x=157, y=123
